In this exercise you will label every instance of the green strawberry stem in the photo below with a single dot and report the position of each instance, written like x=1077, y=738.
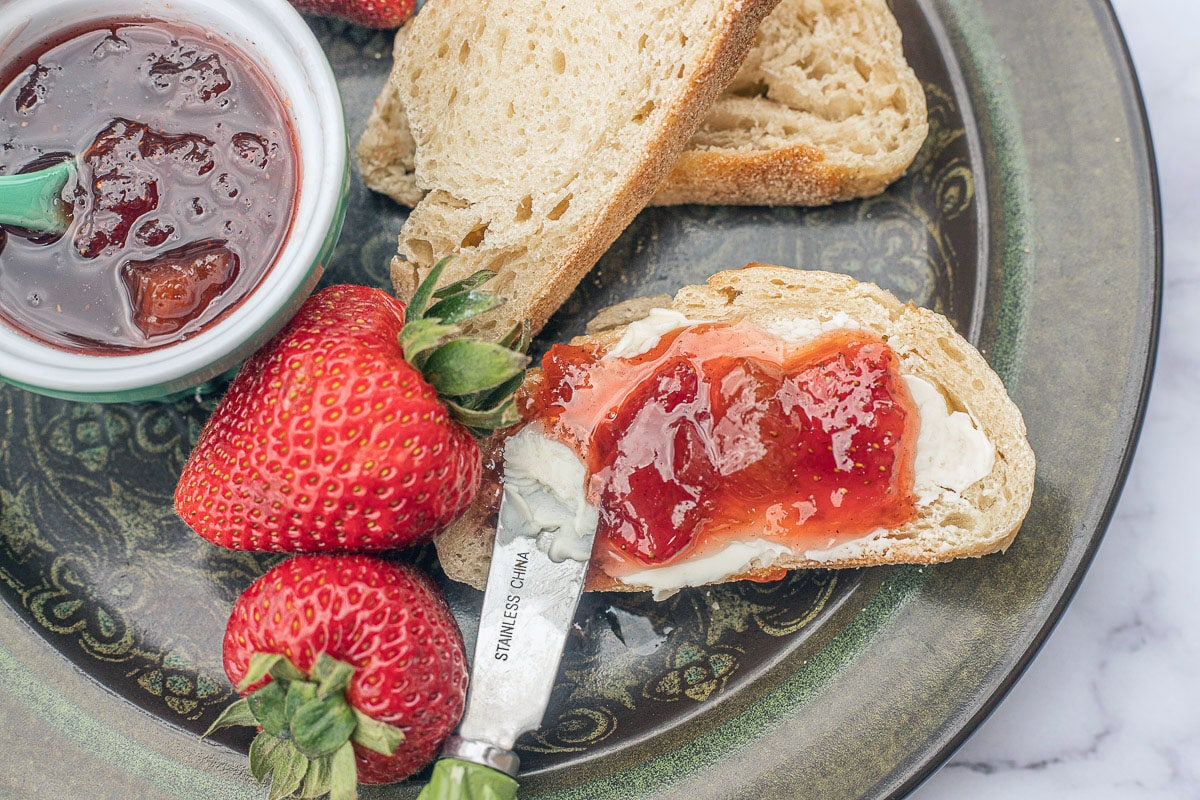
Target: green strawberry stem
x=476, y=379
x=308, y=728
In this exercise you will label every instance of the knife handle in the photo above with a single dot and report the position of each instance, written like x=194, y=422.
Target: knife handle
x=455, y=779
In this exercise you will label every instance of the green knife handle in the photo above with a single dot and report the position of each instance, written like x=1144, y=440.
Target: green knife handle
x=454, y=779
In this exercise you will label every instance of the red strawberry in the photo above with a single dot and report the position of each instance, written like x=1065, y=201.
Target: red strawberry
x=350, y=665
x=343, y=433
x=371, y=13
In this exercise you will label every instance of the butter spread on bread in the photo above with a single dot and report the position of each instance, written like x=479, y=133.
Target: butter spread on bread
x=974, y=469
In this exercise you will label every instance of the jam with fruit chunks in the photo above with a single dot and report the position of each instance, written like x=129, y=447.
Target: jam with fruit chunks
x=185, y=193
x=169, y=290
x=722, y=429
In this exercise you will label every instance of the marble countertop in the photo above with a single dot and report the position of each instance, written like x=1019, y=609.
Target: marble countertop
x=1110, y=708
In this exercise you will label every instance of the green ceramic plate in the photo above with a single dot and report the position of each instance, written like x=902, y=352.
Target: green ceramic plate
x=1030, y=219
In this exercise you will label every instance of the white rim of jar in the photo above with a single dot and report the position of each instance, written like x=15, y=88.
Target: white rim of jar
x=277, y=39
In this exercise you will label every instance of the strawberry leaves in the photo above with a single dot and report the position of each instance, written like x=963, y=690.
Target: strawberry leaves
x=464, y=305
x=375, y=735
x=468, y=366
x=307, y=727
x=476, y=379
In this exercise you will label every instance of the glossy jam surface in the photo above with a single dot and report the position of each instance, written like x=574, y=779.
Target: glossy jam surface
x=722, y=428
x=187, y=182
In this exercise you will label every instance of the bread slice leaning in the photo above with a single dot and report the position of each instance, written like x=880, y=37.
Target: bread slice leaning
x=825, y=108
x=541, y=130
x=982, y=519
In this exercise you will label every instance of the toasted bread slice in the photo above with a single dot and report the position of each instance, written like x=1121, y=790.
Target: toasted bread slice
x=825, y=108
x=982, y=519
x=541, y=131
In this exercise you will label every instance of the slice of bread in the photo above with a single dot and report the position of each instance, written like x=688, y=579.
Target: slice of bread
x=825, y=108
x=386, y=151
x=982, y=519
x=540, y=131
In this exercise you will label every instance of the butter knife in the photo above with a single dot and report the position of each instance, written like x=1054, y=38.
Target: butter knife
x=539, y=561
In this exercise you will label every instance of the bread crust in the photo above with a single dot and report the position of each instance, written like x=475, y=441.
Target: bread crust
x=796, y=175
x=983, y=519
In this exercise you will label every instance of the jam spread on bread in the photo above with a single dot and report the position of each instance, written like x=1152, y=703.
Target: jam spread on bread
x=185, y=190
x=721, y=429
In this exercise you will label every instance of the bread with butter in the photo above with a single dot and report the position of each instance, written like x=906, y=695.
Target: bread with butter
x=824, y=108
x=982, y=519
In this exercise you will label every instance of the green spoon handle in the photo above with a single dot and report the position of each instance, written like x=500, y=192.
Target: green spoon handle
x=34, y=200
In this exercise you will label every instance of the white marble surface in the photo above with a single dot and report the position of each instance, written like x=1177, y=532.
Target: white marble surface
x=1110, y=708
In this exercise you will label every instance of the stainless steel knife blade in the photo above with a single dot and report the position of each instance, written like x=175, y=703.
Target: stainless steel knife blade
x=532, y=593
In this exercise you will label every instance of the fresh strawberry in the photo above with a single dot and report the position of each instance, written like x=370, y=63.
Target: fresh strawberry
x=351, y=666
x=352, y=429
x=371, y=13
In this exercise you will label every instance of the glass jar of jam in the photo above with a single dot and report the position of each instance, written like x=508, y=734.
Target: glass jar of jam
x=184, y=192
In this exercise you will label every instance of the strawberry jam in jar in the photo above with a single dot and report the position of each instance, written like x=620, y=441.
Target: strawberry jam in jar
x=184, y=190
x=722, y=431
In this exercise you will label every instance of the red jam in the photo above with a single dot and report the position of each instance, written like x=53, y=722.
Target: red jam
x=722, y=428
x=188, y=177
